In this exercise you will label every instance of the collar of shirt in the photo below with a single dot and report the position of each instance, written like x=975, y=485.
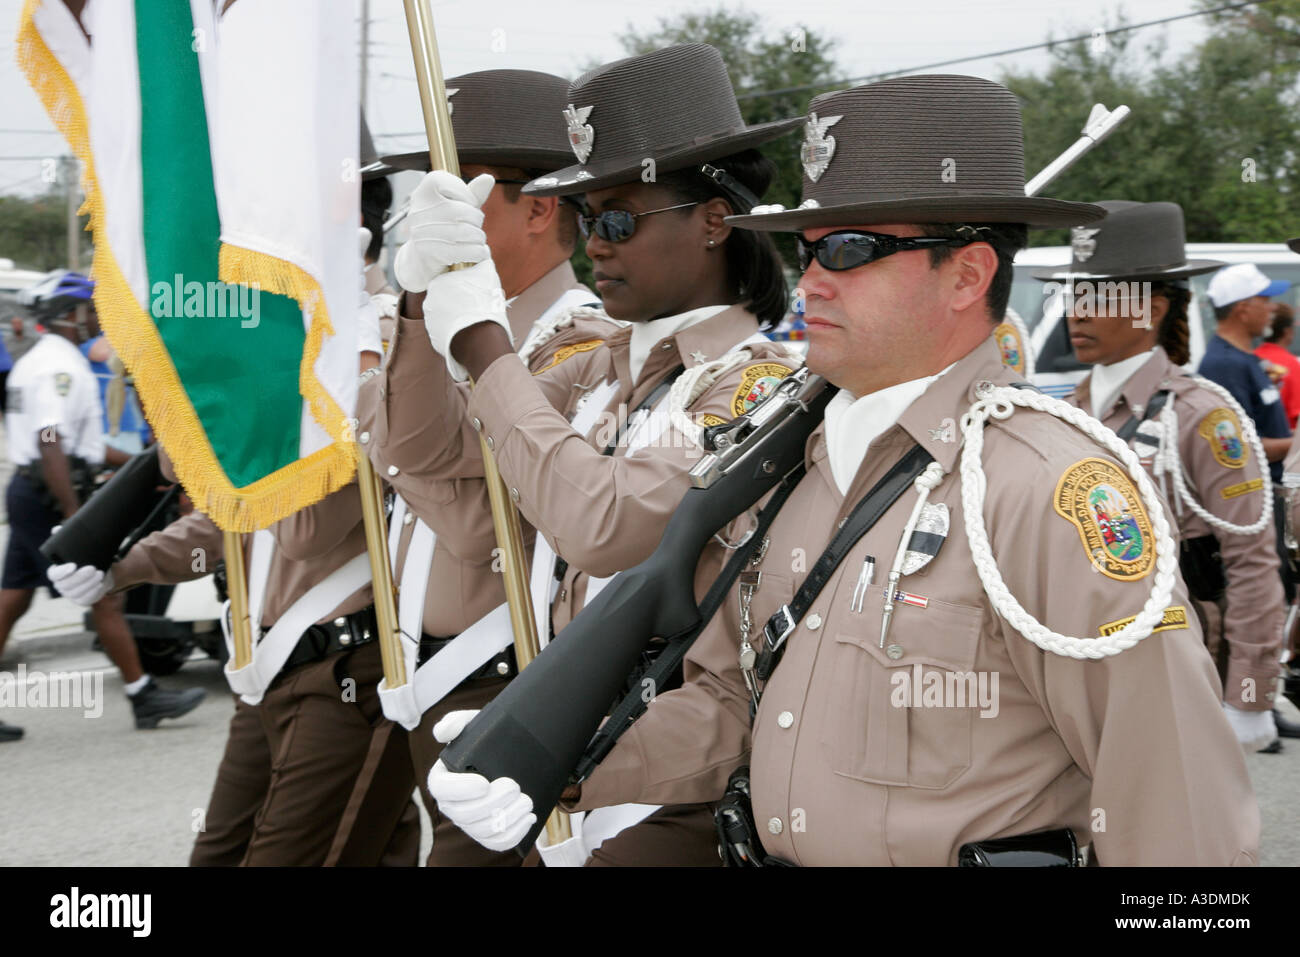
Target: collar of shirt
x=646, y=336
x=527, y=307
x=1107, y=382
x=852, y=423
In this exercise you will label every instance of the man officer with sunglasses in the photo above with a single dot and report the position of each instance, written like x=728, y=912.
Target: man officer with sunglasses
x=959, y=680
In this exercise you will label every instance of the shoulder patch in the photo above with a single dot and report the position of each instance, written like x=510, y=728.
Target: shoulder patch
x=1222, y=430
x=62, y=383
x=568, y=352
x=1013, y=350
x=1102, y=503
x=708, y=420
x=1175, y=617
x=756, y=385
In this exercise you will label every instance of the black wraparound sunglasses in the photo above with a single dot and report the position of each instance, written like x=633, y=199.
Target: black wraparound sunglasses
x=850, y=248
x=617, y=225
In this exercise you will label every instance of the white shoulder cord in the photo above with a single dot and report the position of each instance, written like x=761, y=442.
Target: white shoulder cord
x=1166, y=462
x=694, y=382
x=541, y=334
x=999, y=403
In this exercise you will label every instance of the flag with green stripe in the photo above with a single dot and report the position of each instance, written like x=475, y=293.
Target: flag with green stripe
x=219, y=158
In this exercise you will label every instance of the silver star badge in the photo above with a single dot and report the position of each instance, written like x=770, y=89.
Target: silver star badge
x=581, y=135
x=818, y=147
x=1082, y=242
x=451, y=107
x=699, y=358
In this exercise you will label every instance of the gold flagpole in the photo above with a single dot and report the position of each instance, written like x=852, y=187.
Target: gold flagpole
x=505, y=520
x=237, y=590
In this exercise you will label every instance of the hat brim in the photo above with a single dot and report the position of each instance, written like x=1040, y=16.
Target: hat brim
x=1294, y=245
x=521, y=158
x=585, y=177
x=1193, y=267
x=1275, y=288
x=1031, y=211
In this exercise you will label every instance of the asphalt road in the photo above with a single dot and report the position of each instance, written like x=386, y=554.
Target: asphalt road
x=95, y=791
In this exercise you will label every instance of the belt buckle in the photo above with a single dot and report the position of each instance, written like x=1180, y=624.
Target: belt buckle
x=783, y=619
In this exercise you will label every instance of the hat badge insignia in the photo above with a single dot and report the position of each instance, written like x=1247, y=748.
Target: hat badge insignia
x=1083, y=242
x=581, y=135
x=818, y=146
x=451, y=107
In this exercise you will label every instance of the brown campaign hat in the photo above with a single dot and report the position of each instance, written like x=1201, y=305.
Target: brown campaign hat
x=674, y=106
x=916, y=149
x=503, y=118
x=1135, y=241
x=372, y=167
x=1294, y=244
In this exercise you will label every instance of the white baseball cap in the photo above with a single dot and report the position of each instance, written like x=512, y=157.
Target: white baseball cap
x=1241, y=282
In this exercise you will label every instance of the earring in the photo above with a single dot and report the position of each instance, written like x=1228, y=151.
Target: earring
x=711, y=243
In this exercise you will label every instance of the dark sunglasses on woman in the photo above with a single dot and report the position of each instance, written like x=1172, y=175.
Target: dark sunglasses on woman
x=617, y=225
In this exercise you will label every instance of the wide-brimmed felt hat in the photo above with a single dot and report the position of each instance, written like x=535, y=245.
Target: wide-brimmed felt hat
x=916, y=149
x=372, y=167
x=674, y=106
x=502, y=118
x=1294, y=244
x=1134, y=241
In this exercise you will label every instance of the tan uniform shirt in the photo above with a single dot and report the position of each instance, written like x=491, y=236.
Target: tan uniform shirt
x=1132, y=752
x=1291, y=464
x=309, y=545
x=600, y=513
x=463, y=585
x=1224, y=478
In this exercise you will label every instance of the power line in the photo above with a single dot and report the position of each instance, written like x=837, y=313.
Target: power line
x=853, y=81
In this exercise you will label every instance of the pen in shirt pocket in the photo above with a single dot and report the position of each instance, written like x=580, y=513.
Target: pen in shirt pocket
x=864, y=580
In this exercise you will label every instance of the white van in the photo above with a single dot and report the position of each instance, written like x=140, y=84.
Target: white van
x=1056, y=371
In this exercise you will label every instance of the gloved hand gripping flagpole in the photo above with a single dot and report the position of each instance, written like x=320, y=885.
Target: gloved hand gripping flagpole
x=505, y=520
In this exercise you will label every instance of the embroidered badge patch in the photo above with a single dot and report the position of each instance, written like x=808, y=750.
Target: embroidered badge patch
x=1174, y=617
x=708, y=420
x=1241, y=488
x=1009, y=344
x=568, y=352
x=62, y=383
x=1222, y=430
x=1101, y=502
x=756, y=385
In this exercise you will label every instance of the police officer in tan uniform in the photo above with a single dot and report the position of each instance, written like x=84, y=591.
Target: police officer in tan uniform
x=448, y=574
x=1130, y=322
x=929, y=695
x=587, y=444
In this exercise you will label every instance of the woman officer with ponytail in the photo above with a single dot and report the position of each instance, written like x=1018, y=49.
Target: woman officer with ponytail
x=1127, y=299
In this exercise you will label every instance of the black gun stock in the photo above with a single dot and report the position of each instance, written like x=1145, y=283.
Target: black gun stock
x=92, y=535
x=535, y=731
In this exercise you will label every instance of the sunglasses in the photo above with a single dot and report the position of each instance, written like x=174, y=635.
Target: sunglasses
x=849, y=248
x=618, y=225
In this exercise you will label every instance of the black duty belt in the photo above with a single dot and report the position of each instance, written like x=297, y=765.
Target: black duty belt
x=501, y=666
x=343, y=633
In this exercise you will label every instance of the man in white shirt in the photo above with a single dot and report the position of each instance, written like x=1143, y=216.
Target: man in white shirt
x=56, y=442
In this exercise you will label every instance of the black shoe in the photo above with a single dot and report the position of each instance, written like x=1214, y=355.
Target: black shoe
x=153, y=702
x=1274, y=748
x=1286, y=728
x=10, y=732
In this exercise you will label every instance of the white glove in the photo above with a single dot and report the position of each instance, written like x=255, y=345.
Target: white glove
x=84, y=584
x=496, y=814
x=458, y=300
x=444, y=227
x=368, y=337
x=1254, y=729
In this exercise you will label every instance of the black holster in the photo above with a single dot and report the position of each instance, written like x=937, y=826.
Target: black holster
x=1043, y=849
x=1202, y=568
x=738, y=843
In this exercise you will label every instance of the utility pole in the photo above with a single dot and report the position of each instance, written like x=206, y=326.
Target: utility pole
x=74, y=232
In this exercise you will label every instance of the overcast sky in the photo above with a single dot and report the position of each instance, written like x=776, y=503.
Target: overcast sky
x=561, y=36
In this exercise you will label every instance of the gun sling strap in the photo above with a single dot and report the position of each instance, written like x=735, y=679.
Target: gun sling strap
x=864, y=515
x=1157, y=402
